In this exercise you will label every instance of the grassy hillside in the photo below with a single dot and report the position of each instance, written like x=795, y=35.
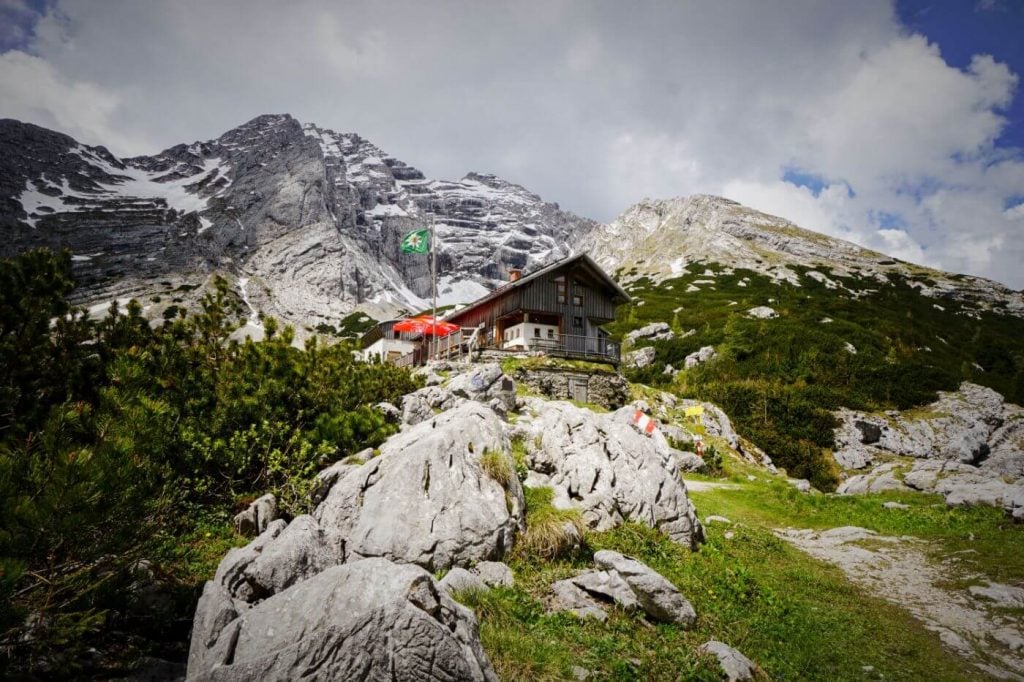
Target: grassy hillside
x=779, y=379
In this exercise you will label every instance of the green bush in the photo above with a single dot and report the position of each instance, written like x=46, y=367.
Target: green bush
x=779, y=380
x=116, y=436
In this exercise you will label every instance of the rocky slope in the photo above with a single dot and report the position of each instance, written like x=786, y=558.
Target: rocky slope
x=967, y=446
x=308, y=219
x=667, y=238
x=343, y=592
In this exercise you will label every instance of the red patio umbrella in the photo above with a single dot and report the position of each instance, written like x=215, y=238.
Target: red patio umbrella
x=425, y=324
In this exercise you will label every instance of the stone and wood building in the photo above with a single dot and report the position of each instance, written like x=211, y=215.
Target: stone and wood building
x=556, y=311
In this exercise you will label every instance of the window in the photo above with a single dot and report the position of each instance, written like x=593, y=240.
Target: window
x=561, y=290
x=577, y=299
x=536, y=332
x=551, y=333
x=577, y=323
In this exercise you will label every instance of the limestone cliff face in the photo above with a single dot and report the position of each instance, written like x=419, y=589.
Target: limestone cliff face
x=309, y=218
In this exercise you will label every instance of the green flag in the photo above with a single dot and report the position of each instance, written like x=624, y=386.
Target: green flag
x=416, y=242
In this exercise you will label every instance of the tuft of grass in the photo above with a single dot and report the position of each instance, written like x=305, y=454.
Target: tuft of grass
x=498, y=466
x=550, y=532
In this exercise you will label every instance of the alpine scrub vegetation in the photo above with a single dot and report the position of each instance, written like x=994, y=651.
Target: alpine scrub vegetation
x=887, y=347
x=120, y=441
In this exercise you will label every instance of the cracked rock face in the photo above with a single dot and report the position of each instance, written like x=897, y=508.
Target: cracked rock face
x=426, y=499
x=368, y=620
x=969, y=445
x=608, y=470
x=313, y=217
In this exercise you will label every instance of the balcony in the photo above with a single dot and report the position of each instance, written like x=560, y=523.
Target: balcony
x=463, y=343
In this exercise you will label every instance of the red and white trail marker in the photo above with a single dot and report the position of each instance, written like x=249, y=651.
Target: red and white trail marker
x=644, y=423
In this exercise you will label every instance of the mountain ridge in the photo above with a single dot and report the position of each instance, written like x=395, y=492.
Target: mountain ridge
x=307, y=221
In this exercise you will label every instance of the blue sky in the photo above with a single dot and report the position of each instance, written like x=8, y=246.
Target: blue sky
x=964, y=28
x=896, y=124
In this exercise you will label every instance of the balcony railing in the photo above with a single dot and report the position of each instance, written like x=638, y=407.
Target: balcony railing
x=462, y=344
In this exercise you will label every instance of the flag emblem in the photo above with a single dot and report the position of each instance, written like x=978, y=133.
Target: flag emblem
x=416, y=242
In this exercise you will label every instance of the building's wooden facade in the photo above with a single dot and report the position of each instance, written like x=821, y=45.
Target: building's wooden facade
x=557, y=310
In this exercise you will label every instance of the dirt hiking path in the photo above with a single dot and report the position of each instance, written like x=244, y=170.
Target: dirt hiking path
x=982, y=623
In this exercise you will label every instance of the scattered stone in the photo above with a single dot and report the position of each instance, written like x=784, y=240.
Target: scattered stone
x=567, y=596
x=609, y=585
x=688, y=461
x=1003, y=595
x=801, y=484
x=895, y=505
x=580, y=673
x=716, y=519
x=656, y=331
x=729, y=535
x=257, y=516
x=700, y=357
x=640, y=358
x=657, y=596
x=495, y=573
x=735, y=666
x=762, y=312
x=459, y=579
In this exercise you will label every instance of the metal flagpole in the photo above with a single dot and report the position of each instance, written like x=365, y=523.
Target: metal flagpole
x=433, y=285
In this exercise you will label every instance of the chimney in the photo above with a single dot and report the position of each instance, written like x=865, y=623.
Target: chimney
x=514, y=274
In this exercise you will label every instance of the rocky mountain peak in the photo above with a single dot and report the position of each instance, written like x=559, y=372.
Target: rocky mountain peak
x=311, y=219
x=661, y=238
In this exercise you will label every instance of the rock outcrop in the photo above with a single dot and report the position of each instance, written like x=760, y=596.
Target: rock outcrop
x=968, y=446
x=427, y=499
x=371, y=620
x=608, y=469
x=344, y=592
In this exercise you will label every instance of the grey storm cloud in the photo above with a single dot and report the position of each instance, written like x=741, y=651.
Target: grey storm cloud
x=592, y=104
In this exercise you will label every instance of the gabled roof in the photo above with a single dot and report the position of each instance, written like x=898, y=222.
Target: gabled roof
x=583, y=258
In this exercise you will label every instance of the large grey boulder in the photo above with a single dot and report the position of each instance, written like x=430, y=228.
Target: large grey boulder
x=607, y=469
x=280, y=557
x=231, y=572
x=215, y=611
x=326, y=479
x=735, y=666
x=298, y=553
x=367, y=620
x=427, y=498
x=659, y=598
